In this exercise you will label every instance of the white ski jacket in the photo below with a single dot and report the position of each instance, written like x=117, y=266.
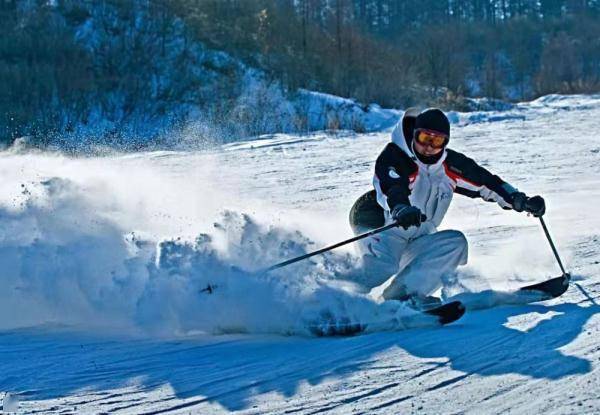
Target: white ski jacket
x=400, y=177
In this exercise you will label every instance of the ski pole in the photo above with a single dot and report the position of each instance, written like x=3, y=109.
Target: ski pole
x=329, y=248
x=553, y=247
x=566, y=274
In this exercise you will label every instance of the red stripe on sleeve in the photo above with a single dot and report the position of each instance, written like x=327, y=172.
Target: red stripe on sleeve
x=456, y=177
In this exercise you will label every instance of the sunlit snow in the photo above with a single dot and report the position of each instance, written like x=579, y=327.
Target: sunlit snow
x=105, y=261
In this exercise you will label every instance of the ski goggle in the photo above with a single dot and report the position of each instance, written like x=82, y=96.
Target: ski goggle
x=432, y=138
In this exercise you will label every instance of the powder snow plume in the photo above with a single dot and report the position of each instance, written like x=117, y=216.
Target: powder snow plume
x=63, y=263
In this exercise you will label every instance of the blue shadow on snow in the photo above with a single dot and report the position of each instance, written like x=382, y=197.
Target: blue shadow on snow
x=230, y=370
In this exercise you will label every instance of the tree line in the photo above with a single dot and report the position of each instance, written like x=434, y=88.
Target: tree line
x=403, y=52
x=65, y=64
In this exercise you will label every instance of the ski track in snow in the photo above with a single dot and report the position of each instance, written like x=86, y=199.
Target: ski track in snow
x=66, y=223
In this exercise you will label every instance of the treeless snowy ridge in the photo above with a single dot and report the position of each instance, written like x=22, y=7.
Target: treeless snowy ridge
x=103, y=262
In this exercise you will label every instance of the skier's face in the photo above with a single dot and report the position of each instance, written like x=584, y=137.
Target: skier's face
x=429, y=142
x=427, y=149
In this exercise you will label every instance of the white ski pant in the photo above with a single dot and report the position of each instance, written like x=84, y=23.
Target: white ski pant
x=417, y=266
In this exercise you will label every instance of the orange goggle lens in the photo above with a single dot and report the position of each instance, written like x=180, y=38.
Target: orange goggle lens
x=432, y=138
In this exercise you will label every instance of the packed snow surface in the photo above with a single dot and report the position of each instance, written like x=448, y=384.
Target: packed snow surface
x=107, y=263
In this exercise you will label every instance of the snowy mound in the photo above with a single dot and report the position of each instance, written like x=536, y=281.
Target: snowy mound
x=545, y=105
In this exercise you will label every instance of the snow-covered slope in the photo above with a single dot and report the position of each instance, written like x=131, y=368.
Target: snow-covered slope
x=104, y=262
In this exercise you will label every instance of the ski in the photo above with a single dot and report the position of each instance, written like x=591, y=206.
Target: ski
x=447, y=313
x=552, y=288
x=543, y=291
x=435, y=317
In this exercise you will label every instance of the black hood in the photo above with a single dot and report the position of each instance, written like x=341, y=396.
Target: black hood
x=408, y=124
x=430, y=119
x=433, y=119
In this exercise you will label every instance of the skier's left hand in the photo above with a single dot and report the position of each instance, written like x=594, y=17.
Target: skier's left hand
x=519, y=199
x=536, y=206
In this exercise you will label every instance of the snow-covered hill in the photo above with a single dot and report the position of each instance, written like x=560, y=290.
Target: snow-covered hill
x=138, y=78
x=104, y=262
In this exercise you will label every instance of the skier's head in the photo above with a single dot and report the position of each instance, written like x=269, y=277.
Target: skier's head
x=431, y=134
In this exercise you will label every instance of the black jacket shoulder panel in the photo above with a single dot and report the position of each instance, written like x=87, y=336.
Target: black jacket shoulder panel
x=393, y=169
x=392, y=155
x=469, y=170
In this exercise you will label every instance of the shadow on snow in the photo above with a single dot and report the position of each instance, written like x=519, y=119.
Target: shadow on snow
x=230, y=370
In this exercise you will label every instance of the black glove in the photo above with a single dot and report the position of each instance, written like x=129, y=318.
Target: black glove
x=519, y=199
x=407, y=216
x=534, y=205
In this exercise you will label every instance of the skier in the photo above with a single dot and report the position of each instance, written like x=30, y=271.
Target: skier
x=415, y=178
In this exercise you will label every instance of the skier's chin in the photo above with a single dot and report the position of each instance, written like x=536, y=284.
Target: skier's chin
x=427, y=152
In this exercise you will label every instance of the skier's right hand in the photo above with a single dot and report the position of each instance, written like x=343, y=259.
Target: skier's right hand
x=407, y=216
